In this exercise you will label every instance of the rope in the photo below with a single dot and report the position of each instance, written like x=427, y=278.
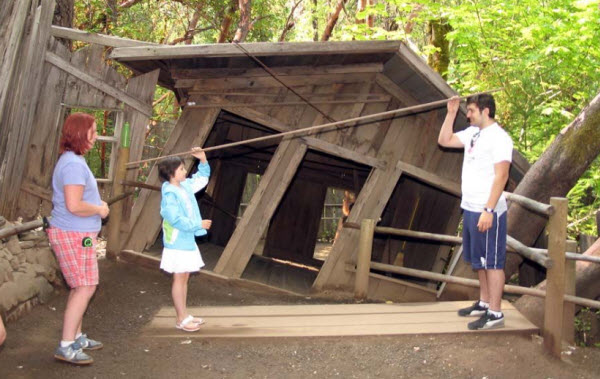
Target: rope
x=312, y=129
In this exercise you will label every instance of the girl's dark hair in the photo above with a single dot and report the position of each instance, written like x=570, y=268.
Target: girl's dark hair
x=167, y=167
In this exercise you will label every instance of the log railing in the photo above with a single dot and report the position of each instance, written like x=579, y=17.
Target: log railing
x=560, y=265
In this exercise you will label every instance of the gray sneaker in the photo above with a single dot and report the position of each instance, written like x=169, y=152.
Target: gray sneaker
x=88, y=343
x=73, y=354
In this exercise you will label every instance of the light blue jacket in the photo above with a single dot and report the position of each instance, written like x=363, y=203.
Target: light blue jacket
x=181, y=218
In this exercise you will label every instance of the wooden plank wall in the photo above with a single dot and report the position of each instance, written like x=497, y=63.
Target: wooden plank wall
x=20, y=92
x=293, y=231
x=60, y=90
x=265, y=200
x=43, y=145
x=141, y=87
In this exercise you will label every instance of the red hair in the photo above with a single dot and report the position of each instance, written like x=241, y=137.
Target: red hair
x=75, y=133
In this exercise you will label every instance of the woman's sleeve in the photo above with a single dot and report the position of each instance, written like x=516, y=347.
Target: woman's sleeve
x=169, y=210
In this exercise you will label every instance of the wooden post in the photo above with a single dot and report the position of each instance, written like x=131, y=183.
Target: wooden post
x=113, y=244
x=555, y=277
x=568, y=333
x=363, y=264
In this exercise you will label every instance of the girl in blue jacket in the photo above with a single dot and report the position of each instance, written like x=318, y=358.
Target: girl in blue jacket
x=181, y=223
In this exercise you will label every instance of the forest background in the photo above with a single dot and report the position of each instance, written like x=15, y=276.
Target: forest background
x=544, y=54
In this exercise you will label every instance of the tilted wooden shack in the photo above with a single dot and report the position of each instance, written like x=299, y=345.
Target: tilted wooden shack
x=401, y=176
x=232, y=93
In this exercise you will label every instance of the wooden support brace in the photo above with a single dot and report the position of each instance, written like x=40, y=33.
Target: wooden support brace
x=96, y=83
x=568, y=333
x=555, y=277
x=265, y=200
x=365, y=247
x=100, y=39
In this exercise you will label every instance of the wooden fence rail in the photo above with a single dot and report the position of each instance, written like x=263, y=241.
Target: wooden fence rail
x=560, y=278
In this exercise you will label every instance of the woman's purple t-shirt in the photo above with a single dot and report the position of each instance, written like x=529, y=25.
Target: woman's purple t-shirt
x=71, y=169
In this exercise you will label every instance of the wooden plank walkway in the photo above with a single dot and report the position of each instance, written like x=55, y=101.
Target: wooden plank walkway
x=331, y=320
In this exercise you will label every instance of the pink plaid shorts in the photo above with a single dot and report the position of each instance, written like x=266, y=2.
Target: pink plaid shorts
x=77, y=263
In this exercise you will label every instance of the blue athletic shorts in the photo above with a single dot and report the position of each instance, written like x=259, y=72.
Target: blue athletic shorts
x=485, y=250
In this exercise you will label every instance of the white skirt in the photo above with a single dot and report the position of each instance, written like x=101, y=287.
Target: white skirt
x=178, y=261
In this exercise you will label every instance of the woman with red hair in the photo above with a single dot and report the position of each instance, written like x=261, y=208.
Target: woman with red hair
x=76, y=220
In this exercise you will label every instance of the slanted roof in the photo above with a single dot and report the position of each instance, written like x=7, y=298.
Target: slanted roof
x=398, y=62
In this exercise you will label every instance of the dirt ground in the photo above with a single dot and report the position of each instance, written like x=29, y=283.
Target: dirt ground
x=129, y=296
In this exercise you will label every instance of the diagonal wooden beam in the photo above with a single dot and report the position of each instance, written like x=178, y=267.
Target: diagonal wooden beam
x=256, y=218
x=100, y=39
x=446, y=185
x=98, y=84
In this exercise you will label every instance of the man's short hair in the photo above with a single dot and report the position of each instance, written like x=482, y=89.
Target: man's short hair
x=485, y=100
x=167, y=168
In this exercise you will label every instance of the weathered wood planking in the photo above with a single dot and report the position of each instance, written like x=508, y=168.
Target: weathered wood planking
x=265, y=200
x=370, y=203
x=207, y=73
x=192, y=129
x=141, y=87
x=228, y=192
x=96, y=38
x=332, y=320
x=23, y=99
x=12, y=28
x=256, y=49
x=269, y=82
x=90, y=61
x=294, y=227
x=43, y=145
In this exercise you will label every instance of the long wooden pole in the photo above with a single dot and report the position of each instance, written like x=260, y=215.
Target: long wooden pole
x=314, y=129
x=530, y=204
x=539, y=256
x=475, y=283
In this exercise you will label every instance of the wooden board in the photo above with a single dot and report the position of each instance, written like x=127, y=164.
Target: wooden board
x=323, y=320
x=294, y=228
x=265, y=200
x=42, y=151
x=21, y=99
x=256, y=49
x=141, y=87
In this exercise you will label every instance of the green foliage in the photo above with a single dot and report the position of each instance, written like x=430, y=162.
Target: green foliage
x=584, y=333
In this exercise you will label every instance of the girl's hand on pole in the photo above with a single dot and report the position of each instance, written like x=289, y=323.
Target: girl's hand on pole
x=206, y=224
x=199, y=153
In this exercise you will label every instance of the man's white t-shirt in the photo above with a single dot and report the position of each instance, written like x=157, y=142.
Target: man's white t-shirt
x=483, y=148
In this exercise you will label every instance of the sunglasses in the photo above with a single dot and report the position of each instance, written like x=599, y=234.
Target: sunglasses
x=474, y=139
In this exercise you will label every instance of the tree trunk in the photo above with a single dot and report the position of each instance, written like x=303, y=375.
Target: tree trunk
x=244, y=25
x=289, y=23
x=436, y=34
x=332, y=20
x=63, y=13
x=188, y=36
x=587, y=285
x=553, y=174
x=361, y=5
x=226, y=23
x=63, y=16
x=315, y=21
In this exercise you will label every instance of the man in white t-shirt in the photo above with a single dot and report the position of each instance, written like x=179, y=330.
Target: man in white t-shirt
x=487, y=156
